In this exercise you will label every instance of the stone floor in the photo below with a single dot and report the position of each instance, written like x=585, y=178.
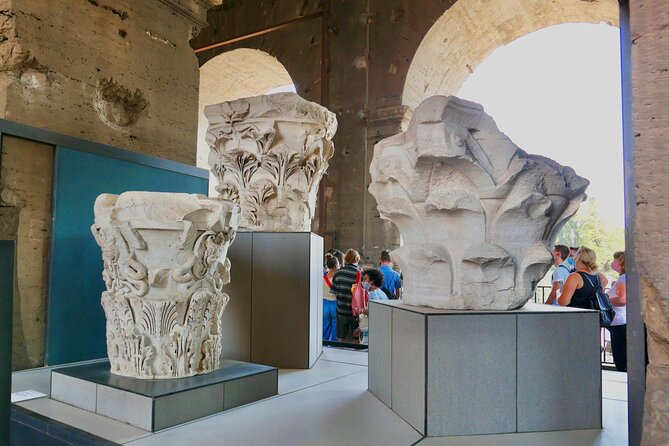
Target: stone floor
x=327, y=405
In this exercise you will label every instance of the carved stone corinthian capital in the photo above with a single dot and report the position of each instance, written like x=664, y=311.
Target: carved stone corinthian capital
x=476, y=213
x=269, y=154
x=164, y=268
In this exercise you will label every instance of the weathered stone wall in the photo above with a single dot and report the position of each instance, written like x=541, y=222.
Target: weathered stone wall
x=25, y=216
x=348, y=94
x=649, y=20
x=118, y=72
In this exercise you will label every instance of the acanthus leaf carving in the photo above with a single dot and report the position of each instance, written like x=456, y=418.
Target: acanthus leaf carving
x=271, y=157
x=243, y=165
x=281, y=162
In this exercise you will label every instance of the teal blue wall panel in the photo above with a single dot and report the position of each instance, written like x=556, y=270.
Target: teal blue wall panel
x=76, y=322
x=6, y=298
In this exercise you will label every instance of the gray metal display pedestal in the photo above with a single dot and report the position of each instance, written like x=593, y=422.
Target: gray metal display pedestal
x=470, y=372
x=156, y=404
x=275, y=313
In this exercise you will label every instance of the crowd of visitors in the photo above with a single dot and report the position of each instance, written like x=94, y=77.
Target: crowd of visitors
x=574, y=283
x=342, y=319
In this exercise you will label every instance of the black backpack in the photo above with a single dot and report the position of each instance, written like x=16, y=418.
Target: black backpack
x=387, y=293
x=602, y=303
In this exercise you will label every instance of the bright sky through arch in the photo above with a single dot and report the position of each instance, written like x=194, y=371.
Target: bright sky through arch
x=556, y=92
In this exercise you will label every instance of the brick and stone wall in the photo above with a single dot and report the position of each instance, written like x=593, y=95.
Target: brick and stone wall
x=649, y=20
x=117, y=72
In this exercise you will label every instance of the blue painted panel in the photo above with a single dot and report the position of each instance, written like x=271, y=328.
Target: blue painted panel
x=6, y=298
x=76, y=322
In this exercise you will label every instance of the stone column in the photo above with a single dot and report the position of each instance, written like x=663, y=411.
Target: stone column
x=380, y=233
x=648, y=217
x=269, y=154
x=25, y=216
x=165, y=264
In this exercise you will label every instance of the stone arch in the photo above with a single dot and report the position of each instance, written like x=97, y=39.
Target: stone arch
x=470, y=30
x=235, y=74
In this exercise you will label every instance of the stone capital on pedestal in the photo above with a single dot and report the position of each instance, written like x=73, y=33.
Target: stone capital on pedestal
x=476, y=213
x=269, y=154
x=165, y=266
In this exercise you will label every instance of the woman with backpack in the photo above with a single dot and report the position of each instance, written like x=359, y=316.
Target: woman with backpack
x=580, y=288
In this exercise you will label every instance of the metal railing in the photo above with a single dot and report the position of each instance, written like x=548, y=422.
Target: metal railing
x=541, y=294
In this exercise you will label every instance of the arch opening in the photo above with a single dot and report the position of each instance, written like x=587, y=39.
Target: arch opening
x=235, y=74
x=471, y=30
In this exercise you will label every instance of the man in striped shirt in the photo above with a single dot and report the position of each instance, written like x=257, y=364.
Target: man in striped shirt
x=342, y=283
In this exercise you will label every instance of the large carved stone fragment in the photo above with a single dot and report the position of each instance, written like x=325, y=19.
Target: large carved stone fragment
x=476, y=213
x=269, y=154
x=117, y=106
x=165, y=266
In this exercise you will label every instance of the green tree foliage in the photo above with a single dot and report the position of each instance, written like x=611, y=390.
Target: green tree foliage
x=587, y=228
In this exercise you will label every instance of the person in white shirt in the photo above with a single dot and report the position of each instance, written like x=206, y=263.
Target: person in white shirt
x=562, y=271
x=618, y=328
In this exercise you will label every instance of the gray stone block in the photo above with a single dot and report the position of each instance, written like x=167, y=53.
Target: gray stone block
x=408, y=367
x=244, y=391
x=559, y=372
x=158, y=404
x=471, y=374
x=74, y=391
x=276, y=296
x=380, y=353
x=476, y=372
x=182, y=407
x=129, y=407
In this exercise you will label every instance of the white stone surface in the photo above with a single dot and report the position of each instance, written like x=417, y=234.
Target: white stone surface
x=131, y=408
x=269, y=154
x=74, y=391
x=477, y=214
x=164, y=267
